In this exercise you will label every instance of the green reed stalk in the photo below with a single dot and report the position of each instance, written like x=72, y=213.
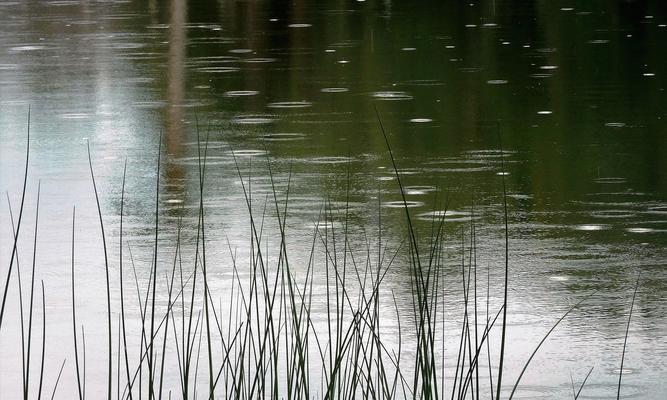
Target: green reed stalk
x=151, y=377
x=18, y=225
x=21, y=311
x=625, y=340
x=576, y=396
x=505, y=214
x=76, y=341
x=32, y=291
x=523, y=370
x=120, y=276
x=55, y=386
x=106, y=268
x=41, y=368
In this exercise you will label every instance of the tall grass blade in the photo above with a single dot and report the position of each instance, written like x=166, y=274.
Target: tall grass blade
x=41, y=368
x=55, y=386
x=18, y=225
x=625, y=340
x=32, y=291
x=76, y=341
x=504, y=328
x=122, y=292
x=543, y=340
x=576, y=396
x=106, y=268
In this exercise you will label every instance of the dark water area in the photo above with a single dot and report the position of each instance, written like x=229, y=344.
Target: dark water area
x=564, y=100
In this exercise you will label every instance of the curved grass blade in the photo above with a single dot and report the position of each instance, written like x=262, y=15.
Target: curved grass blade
x=504, y=329
x=543, y=340
x=18, y=225
x=625, y=341
x=41, y=369
x=576, y=396
x=55, y=386
x=76, y=341
x=106, y=267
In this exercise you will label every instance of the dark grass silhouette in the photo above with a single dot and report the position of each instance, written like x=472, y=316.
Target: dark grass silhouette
x=266, y=344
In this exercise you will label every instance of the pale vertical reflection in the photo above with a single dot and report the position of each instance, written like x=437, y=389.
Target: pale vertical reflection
x=152, y=9
x=175, y=80
x=85, y=7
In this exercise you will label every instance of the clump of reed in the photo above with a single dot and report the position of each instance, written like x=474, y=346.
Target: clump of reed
x=264, y=341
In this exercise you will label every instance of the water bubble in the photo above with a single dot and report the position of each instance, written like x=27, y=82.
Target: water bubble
x=299, y=25
x=496, y=82
x=613, y=214
x=447, y=216
x=324, y=225
x=590, y=227
x=260, y=60
x=240, y=51
x=249, y=153
x=218, y=69
x=391, y=95
x=657, y=210
x=409, y=49
x=253, y=119
x=27, y=48
x=283, y=137
x=329, y=160
x=240, y=93
x=334, y=90
x=421, y=120
x=290, y=104
x=610, y=180
x=402, y=204
x=75, y=116
x=419, y=190
x=626, y=371
x=544, y=112
x=648, y=74
x=615, y=124
x=640, y=230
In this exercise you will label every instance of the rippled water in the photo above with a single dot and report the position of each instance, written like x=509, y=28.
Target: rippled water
x=575, y=92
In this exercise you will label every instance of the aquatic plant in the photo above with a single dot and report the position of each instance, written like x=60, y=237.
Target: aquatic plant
x=268, y=343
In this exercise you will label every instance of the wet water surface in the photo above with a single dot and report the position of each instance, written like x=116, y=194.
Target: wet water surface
x=564, y=101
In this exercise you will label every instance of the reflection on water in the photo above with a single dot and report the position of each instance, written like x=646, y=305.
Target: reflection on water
x=575, y=91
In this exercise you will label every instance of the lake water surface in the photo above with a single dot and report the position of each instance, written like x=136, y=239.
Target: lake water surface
x=564, y=100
